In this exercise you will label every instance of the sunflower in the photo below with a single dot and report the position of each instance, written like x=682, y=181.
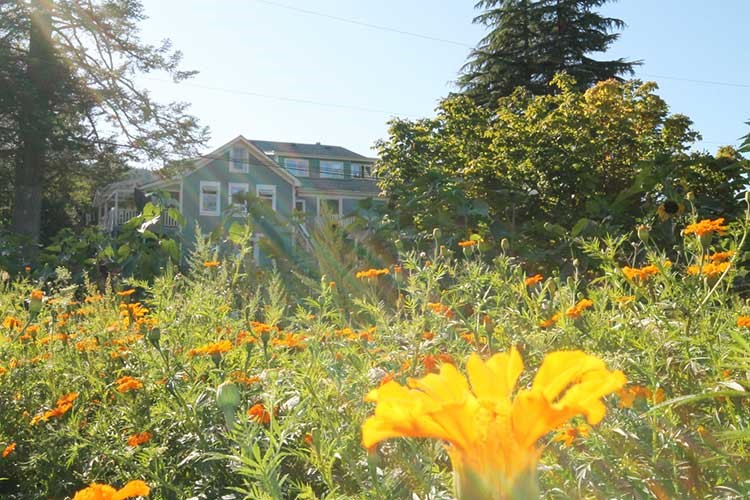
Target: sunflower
x=669, y=209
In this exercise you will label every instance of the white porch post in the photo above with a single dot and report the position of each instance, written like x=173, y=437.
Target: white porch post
x=117, y=199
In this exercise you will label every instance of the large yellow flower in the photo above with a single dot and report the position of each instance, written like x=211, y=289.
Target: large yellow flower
x=97, y=491
x=491, y=436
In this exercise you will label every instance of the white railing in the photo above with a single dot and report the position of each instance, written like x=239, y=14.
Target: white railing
x=113, y=220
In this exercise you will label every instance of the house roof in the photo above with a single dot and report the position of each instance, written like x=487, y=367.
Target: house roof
x=316, y=150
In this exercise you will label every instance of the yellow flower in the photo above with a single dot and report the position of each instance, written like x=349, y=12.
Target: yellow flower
x=669, y=209
x=126, y=293
x=105, y=492
x=571, y=432
x=743, y=321
x=491, y=436
x=210, y=349
x=721, y=256
x=211, y=263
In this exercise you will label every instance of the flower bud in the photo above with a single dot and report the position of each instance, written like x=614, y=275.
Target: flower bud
x=643, y=233
x=35, y=305
x=154, y=335
x=228, y=399
x=505, y=245
x=436, y=233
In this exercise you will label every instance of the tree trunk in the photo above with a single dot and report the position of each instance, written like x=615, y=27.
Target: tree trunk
x=35, y=124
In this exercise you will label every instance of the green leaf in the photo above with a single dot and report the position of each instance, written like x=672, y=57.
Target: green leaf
x=123, y=252
x=580, y=226
x=151, y=210
x=176, y=215
x=237, y=233
x=171, y=249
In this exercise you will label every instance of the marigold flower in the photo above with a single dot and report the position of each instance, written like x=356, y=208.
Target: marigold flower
x=97, y=491
x=706, y=226
x=533, y=280
x=9, y=449
x=64, y=404
x=428, y=336
x=258, y=413
x=721, y=256
x=642, y=274
x=571, y=432
x=431, y=362
x=127, y=384
x=37, y=295
x=241, y=378
x=549, y=322
x=210, y=349
x=709, y=269
x=126, y=293
x=491, y=436
x=11, y=323
x=438, y=308
x=139, y=439
x=743, y=321
x=576, y=310
x=211, y=263
x=372, y=273
x=291, y=341
x=467, y=243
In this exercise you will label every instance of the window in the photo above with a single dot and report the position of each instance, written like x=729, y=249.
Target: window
x=331, y=169
x=267, y=194
x=238, y=160
x=330, y=206
x=238, y=197
x=299, y=206
x=297, y=167
x=361, y=171
x=209, y=198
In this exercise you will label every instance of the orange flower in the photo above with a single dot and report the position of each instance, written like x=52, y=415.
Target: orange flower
x=491, y=434
x=438, y=308
x=127, y=384
x=97, y=491
x=428, y=336
x=372, y=273
x=211, y=263
x=37, y=295
x=628, y=395
x=533, y=280
x=743, y=321
x=126, y=293
x=431, y=362
x=721, y=256
x=241, y=378
x=291, y=341
x=9, y=449
x=709, y=269
x=258, y=413
x=642, y=274
x=467, y=243
x=549, y=322
x=707, y=226
x=576, y=310
x=64, y=404
x=571, y=432
x=139, y=439
x=210, y=349
x=11, y=323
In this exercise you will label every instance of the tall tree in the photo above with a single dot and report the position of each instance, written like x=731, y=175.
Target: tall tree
x=532, y=40
x=70, y=100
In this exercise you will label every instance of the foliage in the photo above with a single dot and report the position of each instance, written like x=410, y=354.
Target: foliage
x=303, y=363
x=610, y=155
x=532, y=40
x=70, y=98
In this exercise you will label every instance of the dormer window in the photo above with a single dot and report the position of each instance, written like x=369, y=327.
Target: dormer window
x=331, y=169
x=239, y=160
x=298, y=167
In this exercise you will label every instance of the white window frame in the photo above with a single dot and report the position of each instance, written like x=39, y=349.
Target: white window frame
x=326, y=173
x=304, y=205
x=268, y=188
x=242, y=207
x=242, y=166
x=208, y=184
x=296, y=170
x=335, y=198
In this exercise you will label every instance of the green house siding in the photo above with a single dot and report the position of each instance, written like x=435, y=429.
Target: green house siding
x=218, y=171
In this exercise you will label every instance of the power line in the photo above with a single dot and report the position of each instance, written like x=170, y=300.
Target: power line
x=282, y=98
x=463, y=44
x=703, y=82
x=366, y=25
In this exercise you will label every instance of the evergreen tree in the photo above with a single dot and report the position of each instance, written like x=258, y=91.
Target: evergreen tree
x=69, y=97
x=532, y=40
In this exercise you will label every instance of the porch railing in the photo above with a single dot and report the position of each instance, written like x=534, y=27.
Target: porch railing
x=116, y=218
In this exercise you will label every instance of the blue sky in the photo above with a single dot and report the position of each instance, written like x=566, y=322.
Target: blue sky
x=270, y=72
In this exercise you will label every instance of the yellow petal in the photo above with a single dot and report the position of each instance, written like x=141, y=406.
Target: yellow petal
x=585, y=396
x=561, y=369
x=496, y=379
x=447, y=386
